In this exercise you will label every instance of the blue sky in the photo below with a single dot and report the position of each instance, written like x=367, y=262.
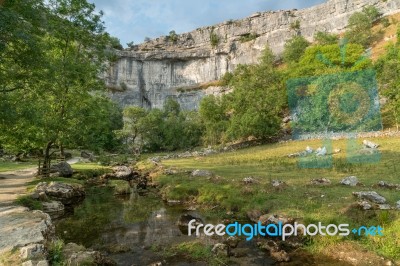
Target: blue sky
x=136, y=19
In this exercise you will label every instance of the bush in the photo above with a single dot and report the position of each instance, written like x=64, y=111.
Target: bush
x=294, y=49
x=55, y=252
x=214, y=39
x=173, y=37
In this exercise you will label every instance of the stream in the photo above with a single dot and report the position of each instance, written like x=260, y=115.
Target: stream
x=131, y=229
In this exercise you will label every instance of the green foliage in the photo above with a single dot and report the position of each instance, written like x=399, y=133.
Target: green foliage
x=295, y=25
x=252, y=109
x=115, y=43
x=388, y=67
x=130, y=44
x=173, y=37
x=324, y=38
x=29, y=202
x=60, y=102
x=294, y=49
x=248, y=37
x=214, y=39
x=360, y=26
x=167, y=129
x=55, y=252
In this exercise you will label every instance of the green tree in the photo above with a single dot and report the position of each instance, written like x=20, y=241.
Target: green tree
x=212, y=114
x=324, y=38
x=294, y=49
x=257, y=100
x=359, y=29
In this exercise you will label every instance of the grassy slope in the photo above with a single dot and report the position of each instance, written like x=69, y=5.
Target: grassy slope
x=331, y=204
x=11, y=166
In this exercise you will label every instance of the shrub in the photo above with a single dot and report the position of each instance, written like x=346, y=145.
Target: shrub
x=214, y=39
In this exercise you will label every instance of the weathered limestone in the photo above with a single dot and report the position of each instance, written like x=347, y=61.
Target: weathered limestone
x=149, y=73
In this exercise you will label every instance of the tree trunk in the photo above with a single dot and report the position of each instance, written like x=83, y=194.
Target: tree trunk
x=45, y=171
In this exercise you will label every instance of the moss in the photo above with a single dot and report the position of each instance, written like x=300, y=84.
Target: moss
x=121, y=187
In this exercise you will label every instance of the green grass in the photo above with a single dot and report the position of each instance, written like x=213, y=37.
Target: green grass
x=328, y=204
x=28, y=201
x=12, y=166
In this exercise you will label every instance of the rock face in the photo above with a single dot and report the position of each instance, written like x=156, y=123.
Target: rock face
x=149, y=73
x=20, y=227
x=65, y=193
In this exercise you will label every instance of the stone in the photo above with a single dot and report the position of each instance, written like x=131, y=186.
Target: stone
x=87, y=155
x=349, y=181
x=232, y=241
x=32, y=250
x=370, y=144
x=63, y=169
x=21, y=227
x=274, y=219
x=220, y=249
x=384, y=184
x=201, y=173
x=280, y=256
x=321, y=181
x=384, y=207
x=122, y=172
x=365, y=205
x=254, y=215
x=398, y=205
x=184, y=220
x=77, y=255
x=54, y=208
x=66, y=193
x=278, y=184
x=249, y=180
x=35, y=263
x=370, y=196
x=321, y=151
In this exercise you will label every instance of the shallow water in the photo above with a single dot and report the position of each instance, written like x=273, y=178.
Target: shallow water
x=129, y=228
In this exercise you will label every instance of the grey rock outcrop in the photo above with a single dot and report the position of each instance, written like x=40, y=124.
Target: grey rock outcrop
x=62, y=169
x=371, y=196
x=185, y=69
x=54, y=208
x=350, y=181
x=20, y=227
x=66, y=193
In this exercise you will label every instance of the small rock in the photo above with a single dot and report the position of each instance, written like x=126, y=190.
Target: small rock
x=66, y=193
x=274, y=219
x=384, y=184
x=254, y=215
x=370, y=144
x=232, y=241
x=398, y=205
x=280, y=256
x=32, y=250
x=35, y=263
x=384, y=207
x=184, y=220
x=349, y=181
x=321, y=181
x=278, y=184
x=220, y=249
x=371, y=196
x=249, y=180
x=202, y=173
x=365, y=205
x=321, y=151
x=335, y=151
x=122, y=172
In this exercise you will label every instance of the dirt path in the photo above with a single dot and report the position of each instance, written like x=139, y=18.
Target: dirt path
x=13, y=183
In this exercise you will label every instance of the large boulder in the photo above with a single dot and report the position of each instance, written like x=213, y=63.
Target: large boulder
x=370, y=196
x=66, y=193
x=63, y=169
x=122, y=172
x=20, y=227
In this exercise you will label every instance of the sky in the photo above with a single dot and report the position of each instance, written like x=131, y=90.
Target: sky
x=133, y=20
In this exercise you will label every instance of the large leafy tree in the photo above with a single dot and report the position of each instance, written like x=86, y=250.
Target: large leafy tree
x=67, y=97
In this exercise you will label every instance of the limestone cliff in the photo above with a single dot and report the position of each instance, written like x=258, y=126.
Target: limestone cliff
x=184, y=66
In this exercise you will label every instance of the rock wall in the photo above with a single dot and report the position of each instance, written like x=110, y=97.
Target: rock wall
x=184, y=67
